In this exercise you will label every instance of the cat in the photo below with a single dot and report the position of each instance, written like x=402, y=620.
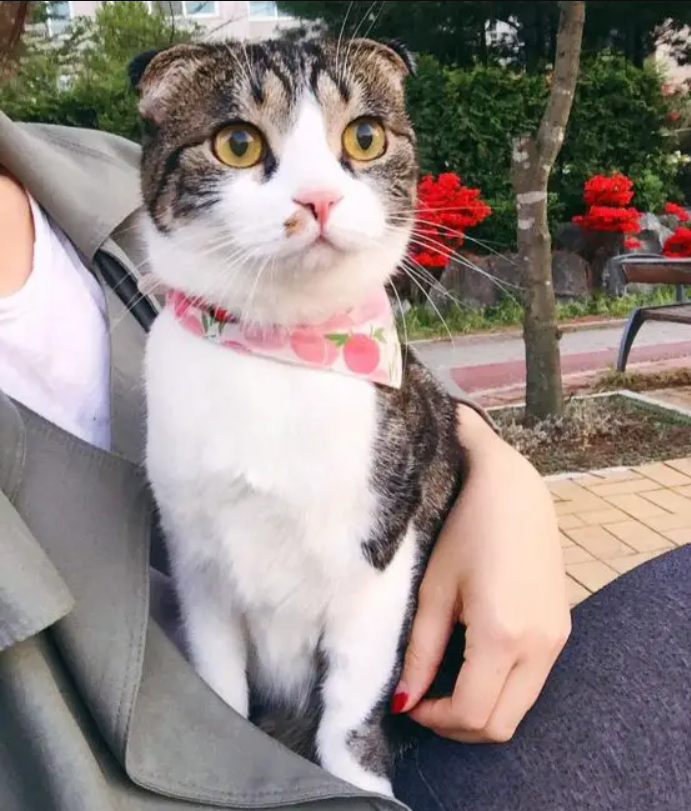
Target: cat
x=299, y=503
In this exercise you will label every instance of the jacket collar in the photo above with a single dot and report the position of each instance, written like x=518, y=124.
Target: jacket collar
x=169, y=731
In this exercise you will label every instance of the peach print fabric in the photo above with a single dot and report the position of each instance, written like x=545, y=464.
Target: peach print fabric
x=362, y=342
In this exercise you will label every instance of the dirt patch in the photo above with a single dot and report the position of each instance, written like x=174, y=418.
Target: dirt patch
x=598, y=433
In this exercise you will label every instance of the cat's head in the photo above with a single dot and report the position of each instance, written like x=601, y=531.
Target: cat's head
x=279, y=177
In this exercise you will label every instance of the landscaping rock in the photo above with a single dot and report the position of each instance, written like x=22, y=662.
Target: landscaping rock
x=569, y=275
x=468, y=283
x=485, y=280
x=613, y=278
x=508, y=271
x=400, y=306
x=652, y=235
x=569, y=237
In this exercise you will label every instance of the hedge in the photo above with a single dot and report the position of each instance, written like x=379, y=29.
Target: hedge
x=465, y=120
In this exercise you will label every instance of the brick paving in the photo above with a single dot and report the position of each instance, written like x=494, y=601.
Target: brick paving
x=613, y=520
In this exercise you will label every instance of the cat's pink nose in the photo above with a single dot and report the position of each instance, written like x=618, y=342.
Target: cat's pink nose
x=319, y=202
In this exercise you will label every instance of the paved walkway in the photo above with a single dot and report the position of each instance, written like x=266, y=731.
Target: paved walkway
x=496, y=362
x=613, y=520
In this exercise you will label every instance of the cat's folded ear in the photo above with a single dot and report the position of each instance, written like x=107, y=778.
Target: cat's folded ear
x=154, y=75
x=136, y=68
x=392, y=50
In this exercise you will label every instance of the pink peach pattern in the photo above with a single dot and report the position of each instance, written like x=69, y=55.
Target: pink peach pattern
x=268, y=337
x=362, y=342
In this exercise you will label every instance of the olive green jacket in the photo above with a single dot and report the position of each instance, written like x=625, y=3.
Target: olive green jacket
x=98, y=709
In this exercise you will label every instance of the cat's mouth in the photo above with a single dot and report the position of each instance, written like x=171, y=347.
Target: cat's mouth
x=321, y=248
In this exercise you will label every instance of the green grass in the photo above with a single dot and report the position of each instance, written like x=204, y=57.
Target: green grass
x=422, y=322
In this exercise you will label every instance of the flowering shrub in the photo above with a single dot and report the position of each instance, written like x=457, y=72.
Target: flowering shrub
x=607, y=199
x=609, y=218
x=677, y=211
x=445, y=210
x=616, y=190
x=678, y=246
x=632, y=243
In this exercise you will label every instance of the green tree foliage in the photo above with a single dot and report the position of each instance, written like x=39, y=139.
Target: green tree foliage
x=453, y=31
x=465, y=120
x=79, y=77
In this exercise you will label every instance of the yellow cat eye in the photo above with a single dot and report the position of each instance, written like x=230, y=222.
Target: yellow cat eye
x=239, y=145
x=364, y=139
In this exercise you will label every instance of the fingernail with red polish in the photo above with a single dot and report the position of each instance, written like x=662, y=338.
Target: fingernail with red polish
x=398, y=702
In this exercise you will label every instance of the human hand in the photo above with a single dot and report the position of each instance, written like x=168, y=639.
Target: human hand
x=498, y=569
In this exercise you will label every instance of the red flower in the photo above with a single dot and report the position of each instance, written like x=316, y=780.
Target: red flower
x=616, y=190
x=445, y=210
x=606, y=198
x=608, y=218
x=677, y=211
x=673, y=115
x=632, y=242
x=678, y=246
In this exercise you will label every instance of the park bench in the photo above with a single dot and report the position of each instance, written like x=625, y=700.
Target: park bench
x=653, y=269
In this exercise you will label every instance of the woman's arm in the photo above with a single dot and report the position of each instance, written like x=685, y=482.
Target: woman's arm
x=16, y=235
x=498, y=569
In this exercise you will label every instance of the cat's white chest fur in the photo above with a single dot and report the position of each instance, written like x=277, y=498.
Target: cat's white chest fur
x=262, y=473
x=234, y=427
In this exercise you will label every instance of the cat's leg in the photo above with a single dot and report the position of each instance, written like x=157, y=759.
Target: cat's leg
x=361, y=647
x=216, y=637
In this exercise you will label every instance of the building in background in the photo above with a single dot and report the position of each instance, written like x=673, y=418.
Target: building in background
x=241, y=19
x=679, y=75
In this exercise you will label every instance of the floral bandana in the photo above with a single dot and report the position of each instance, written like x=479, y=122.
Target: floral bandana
x=362, y=342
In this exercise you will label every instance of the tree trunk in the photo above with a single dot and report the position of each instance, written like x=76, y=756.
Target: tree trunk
x=12, y=21
x=532, y=162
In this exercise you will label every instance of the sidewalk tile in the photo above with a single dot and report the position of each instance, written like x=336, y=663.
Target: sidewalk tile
x=638, y=536
x=627, y=562
x=573, y=521
x=586, y=503
x=576, y=554
x=617, y=475
x=682, y=465
x=664, y=474
x=624, y=488
x=662, y=523
x=599, y=542
x=593, y=575
x=679, y=536
x=636, y=506
x=575, y=592
x=566, y=542
x=602, y=517
x=670, y=501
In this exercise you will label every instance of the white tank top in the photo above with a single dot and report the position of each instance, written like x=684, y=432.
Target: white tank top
x=54, y=342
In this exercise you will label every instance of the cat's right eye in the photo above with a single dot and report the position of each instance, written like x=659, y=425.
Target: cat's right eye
x=239, y=145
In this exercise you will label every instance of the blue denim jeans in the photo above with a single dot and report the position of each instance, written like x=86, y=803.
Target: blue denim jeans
x=612, y=729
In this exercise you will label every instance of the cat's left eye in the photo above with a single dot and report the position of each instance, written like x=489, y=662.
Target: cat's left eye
x=239, y=145
x=364, y=139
